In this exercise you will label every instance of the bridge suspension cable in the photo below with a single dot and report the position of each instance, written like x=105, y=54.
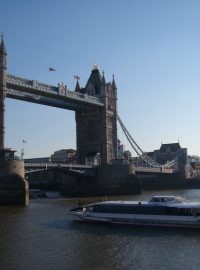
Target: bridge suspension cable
x=139, y=151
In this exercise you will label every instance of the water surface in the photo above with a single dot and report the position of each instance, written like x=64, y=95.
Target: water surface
x=43, y=236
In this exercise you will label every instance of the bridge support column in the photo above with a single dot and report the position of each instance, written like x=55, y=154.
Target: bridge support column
x=118, y=179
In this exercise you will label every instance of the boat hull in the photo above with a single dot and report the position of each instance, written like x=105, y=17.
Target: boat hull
x=140, y=221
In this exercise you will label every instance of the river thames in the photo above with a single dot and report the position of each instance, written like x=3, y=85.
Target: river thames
x=43, y=236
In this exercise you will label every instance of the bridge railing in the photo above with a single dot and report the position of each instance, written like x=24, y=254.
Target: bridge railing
x=56, y=165
x=12, y=79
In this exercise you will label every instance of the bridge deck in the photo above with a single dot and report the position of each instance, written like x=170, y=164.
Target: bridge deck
x=31, y=166
x=61, y=97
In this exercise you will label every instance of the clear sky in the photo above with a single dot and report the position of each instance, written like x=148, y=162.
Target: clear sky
x=152, y=47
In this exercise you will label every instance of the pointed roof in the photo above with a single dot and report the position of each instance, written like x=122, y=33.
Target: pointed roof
x=103, y=80
x=77, y=88
x=95, y=79
x=2, y=47
x=113, y=82
x=172, y=147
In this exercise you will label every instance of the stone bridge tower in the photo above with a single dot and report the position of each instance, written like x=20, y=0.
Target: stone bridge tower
x=96, y=129
x=3, y=79
x=13, y=186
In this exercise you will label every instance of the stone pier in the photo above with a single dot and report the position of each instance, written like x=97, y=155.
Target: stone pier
x=14, y=189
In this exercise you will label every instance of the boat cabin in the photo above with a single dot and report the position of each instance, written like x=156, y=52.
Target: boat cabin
x=167, y=199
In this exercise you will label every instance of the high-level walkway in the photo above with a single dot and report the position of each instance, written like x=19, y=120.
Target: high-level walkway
x=55, y=96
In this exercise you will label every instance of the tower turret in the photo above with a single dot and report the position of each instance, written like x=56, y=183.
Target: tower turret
x=94, y=83
x=113, y=83
x=2, y=47
x=77, y=88
x=103, y=80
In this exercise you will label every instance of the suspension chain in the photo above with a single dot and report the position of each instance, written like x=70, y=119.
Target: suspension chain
x=139, y=151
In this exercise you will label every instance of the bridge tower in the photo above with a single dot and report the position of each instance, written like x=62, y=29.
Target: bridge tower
x=96, y=129
x=3, y=79
x=13, y=186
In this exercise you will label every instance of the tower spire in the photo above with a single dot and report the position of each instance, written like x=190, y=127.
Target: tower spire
x=103, y=79
x=2, y=46
x=113, y=83
x=77, y=88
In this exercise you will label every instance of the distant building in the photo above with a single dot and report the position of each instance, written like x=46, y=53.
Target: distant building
x=122, y=153
x=168, y=152
x=60, y=156
x=193, y=158
x=120, y=149
x=127, y=154
x=64, y=156
x=38, y=160
x=195, y=162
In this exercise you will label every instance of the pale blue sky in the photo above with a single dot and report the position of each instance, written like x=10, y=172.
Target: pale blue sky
x=152, y=47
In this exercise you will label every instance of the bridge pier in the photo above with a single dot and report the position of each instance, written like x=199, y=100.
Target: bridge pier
x=112, y=179
x=13, y=186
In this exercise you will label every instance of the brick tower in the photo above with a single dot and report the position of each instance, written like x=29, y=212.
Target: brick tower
x=96, y=129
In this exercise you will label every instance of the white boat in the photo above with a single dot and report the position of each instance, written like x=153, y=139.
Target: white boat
x=170, y=211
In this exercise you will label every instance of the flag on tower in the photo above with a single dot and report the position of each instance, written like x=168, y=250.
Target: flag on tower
x=51, y=69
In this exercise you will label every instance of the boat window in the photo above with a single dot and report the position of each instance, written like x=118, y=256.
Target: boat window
x=130, y=209
x=144, y=210
x=161, y=199
x=168, y=199
x=180, y=200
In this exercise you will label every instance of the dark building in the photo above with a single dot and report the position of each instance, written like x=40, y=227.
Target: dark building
x=168, y=152
x=96, y=129
x=64, y=156
x=173, y=151
x=38, y=160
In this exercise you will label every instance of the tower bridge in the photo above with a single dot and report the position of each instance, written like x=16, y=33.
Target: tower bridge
x=96, y=116
x=95, y=108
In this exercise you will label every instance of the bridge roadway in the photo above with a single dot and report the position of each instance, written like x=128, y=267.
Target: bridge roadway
x=37, y=166
x=30, y=167
x=40, y=93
